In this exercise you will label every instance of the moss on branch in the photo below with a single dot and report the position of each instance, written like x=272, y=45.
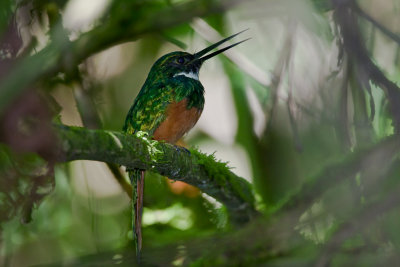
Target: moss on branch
x=212, y=177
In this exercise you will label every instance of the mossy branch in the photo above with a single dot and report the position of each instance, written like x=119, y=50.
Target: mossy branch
x=212, y=177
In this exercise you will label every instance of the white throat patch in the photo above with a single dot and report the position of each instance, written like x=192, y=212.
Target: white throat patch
x=191, y=75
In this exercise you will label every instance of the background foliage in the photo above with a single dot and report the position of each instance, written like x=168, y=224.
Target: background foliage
x=308, y=111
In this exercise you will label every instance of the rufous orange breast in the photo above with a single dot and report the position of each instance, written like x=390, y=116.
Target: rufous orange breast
x=179, y=120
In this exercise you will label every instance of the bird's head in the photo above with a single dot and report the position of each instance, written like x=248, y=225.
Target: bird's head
x=186, y=64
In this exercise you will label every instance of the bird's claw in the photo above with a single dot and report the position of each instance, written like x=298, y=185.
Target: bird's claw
x=182, y=149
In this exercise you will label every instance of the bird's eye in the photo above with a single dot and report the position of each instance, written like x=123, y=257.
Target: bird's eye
x=180, y=60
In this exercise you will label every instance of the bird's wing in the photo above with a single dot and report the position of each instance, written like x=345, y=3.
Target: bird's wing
x=149, y=108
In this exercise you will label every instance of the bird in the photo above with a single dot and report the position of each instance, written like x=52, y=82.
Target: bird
x=168, y=105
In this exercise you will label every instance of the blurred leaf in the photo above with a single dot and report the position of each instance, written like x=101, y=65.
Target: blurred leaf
x=322, y=5
x=6, y=7
x=281, y=168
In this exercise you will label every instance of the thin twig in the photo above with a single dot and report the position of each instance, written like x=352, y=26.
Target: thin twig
x=377, y=24
x=291, y=103
x=343, y=122
x=277, y=74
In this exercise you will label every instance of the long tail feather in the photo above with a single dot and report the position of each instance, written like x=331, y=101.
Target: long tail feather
x=137, y=179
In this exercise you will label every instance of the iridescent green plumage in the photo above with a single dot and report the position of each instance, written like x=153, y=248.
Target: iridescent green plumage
x=168, y=105
x=163, y=87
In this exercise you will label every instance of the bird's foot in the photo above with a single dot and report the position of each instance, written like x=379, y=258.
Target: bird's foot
x=182, y=149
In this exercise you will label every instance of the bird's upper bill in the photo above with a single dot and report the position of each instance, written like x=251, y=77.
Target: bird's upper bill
x=201, y=56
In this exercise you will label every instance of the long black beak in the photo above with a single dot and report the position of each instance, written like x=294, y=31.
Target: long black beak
x=200, y=56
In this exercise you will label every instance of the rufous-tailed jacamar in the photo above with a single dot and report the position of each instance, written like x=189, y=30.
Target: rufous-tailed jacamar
x=168, y=105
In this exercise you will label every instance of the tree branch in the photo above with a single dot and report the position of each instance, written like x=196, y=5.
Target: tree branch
x=270, y=237
x=377, y=24
x=212, y=177
x=122, y=24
